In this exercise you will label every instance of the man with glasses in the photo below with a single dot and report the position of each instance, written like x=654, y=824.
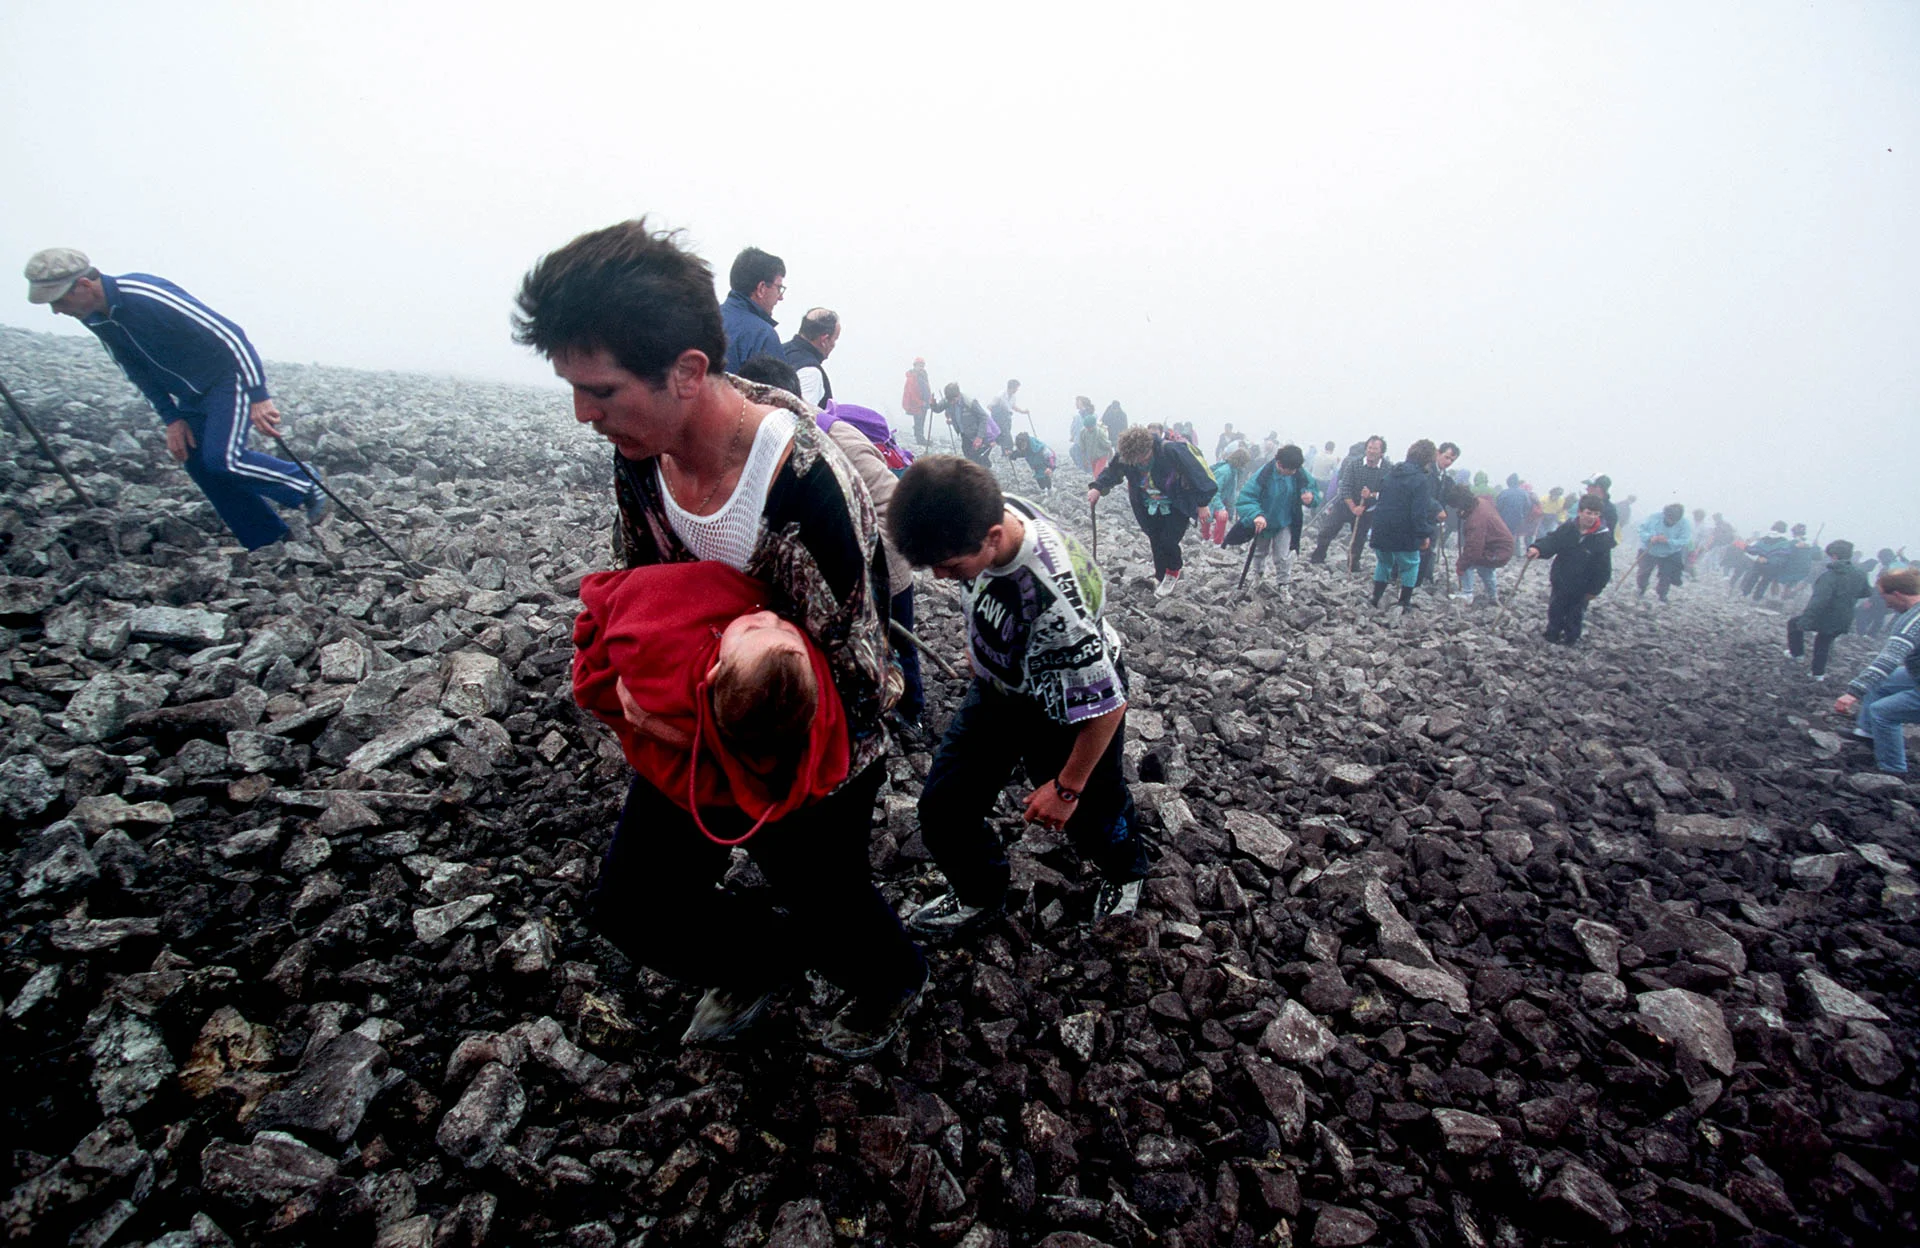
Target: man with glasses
x=756, y=282
x=1883, y=697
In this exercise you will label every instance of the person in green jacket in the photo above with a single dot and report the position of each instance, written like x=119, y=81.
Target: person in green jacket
x=1829, y=611
x=1272, y=501
x=1229, y=473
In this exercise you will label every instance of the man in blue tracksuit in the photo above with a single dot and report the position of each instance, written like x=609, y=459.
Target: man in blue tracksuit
x=200, y=373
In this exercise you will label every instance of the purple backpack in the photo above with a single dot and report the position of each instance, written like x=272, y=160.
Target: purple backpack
x=873, y=426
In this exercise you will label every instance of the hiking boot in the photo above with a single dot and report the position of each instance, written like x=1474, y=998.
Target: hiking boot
x=1116, y=901
x=948, y=916
x=864, y=1026
x=318, y=507
x=724, y=1013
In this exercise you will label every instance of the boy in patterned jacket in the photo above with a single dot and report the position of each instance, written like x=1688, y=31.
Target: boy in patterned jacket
x=1049, y=693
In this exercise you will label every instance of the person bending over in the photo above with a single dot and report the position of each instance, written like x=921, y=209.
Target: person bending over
x=1048, y=694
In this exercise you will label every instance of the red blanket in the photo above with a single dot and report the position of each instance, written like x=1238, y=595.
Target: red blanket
x=657, y=628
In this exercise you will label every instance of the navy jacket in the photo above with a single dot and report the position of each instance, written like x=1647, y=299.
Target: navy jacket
x=750, y=331
x=1582, y=562
x=173, y=347
x=804, y=355
x=1515, y=505
x=1403, y=517
x=1830, y=608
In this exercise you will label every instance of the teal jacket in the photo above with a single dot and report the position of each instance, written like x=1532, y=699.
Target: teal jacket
x=1679, y=536
x=1277, y=497
x=1227, y=496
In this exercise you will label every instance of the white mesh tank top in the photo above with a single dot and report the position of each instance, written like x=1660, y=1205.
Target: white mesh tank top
x=727, y=536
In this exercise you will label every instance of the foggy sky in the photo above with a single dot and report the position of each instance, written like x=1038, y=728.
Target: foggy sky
x=1674, y=243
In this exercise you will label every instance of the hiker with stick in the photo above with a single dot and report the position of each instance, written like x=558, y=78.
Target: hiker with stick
x=1403, y=524
x=1272, y=500
x=1582, y=554
x=1443, y=458
x=201, y=375
x=1360, y=479
x=1665, y=539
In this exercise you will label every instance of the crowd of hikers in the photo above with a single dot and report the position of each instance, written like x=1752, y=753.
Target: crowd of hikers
x=753, y=651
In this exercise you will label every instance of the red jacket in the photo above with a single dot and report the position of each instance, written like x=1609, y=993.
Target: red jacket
x=1485, y=539
x=657, y=628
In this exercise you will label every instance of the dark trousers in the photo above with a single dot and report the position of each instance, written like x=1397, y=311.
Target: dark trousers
x=988, y=735
x=914, y=700
x=1566, y=612
x=656, y=897
x=1336, y=521
x=1822, y=645
x=241, y=484
x=1164, y=532
x=1757, y=582
x=1670, y=568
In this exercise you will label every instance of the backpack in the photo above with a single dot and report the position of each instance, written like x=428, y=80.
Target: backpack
x=1195, y=487
x=989, y=430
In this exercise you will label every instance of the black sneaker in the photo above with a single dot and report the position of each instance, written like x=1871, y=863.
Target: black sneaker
x=863, y=1026
x=947, y=916
x=724, y=1013
x=1116, y=901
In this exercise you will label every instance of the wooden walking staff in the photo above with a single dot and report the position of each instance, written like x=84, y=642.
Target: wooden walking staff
x=1093, y=514
x=45, y=449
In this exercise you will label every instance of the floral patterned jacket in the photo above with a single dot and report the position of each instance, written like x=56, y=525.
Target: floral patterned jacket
x=818, y=547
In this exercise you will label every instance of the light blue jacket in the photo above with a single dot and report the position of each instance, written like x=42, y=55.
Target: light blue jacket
x=1679, y=536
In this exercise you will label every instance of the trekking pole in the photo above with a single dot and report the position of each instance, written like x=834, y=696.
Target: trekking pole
x=1093, y=515
x=411, y=567
x=1251, y=543
x=1631, y=572
x=1506, y=599
x=903, y=633
x=1353, y=543
x=45, y=448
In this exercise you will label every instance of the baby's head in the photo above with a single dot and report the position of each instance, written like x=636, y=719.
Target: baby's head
x=764, y=694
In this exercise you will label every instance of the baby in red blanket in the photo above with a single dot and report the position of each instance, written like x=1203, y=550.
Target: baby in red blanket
x=718, y=703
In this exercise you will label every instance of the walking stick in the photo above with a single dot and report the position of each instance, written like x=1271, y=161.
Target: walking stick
x=901, y=631
x=1506, y=599
x=1093, y=514
x=45, y=449
x=1353, y=543
x=1631, y=572
x=412, y=568
x=1251, y=543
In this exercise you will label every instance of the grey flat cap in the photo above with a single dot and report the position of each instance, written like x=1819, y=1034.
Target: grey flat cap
x=52, y=273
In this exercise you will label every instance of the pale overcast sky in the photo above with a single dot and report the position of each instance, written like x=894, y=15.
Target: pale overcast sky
x=1673, y=242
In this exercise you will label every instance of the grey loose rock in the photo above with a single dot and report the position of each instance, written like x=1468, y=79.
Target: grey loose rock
x=130, y=1062
x=345, y=661
x=476, y=686
x=56, y=861
x=422, y=727
x=180, y=626
x=1296, y=1036
x=1256, y=837
x=329, y=1096
x=271, y=1170
x=1695, y=1023
x=1601, y=943
x=1350, y=777
x=1830, y=999
x=432, y=924
x=478, y=1126
x=1340, y=1227
x=1708, y=832
x=1580, y=1191
x=1816, y=872
x=26, y=787
x=102, y=707
x=1423, y=983
x=1465, y=1134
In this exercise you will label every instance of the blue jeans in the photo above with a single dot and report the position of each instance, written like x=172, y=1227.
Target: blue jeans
x=1486, y=578
x=1883, y=712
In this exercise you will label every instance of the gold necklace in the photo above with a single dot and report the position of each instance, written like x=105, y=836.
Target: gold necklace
x=732, y=446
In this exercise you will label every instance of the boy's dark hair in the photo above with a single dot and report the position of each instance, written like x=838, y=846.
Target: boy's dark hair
x=628, y=290
x=942, y=509
x=770, y=370
x=1593, y=503
x=1289, y=457
x=751, y=267
x=819, y=323
x=1449, y=446
x=765, y=713
x=1840, y=549
x=1421, y=453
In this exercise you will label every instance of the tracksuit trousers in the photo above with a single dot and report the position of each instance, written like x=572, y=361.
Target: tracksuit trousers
x=238, y=482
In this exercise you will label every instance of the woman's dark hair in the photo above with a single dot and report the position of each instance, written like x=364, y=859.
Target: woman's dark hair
x=1290, y=457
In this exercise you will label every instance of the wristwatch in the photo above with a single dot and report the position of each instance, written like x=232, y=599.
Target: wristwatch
x=1066, y=794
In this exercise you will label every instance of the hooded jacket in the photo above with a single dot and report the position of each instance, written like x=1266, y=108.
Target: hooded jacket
x=1404, y=516
x=1485, y=539
x=1679, y=536
x=1830, y=607
x=1516, y=507
x=658, y=629
x=1582, y=562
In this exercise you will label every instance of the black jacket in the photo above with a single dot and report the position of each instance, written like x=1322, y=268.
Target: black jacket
x=1582, y=562
x=1172, y=469
x=1830, y=609
x=802, y=354
x=1403, y=518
